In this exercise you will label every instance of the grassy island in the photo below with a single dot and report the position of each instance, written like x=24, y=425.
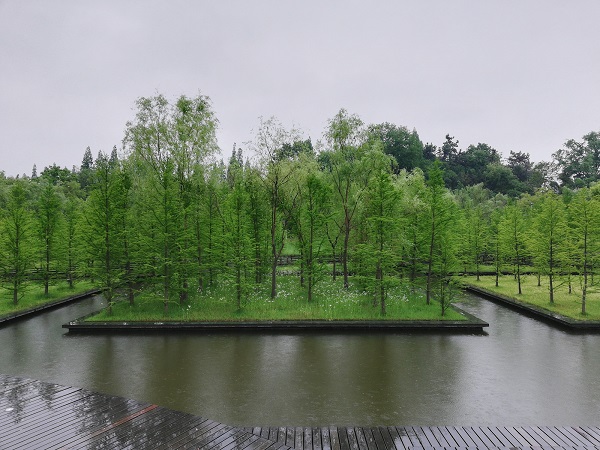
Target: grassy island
x=565, y=303
x=33, y=296
x=330, y=302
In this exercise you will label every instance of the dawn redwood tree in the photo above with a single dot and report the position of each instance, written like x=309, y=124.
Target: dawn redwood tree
x=71, y=211
x=48, y=210
x=547, y=238
x=16, y=239
x=258, y=215
x=380, y=207
x=584, y=221
x=102, y=227
x=237, y=230
x=413, y=207
x=168, y=142
x=437, y=221
x=513, y=237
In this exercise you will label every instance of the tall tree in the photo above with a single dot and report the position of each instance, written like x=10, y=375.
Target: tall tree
x=512, y=230
x=437, y=221
x=382, y=223
x=16, y=239
x=103, y=227
x=270, y=141
x=348, y=170
x=584, y=220
x=48, y=214
x=169, y=141
x=547, y=238
x=579, y=161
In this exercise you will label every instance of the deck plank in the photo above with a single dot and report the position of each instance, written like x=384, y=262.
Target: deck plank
x=34, y=414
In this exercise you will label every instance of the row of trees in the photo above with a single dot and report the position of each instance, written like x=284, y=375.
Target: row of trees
x=166, y=211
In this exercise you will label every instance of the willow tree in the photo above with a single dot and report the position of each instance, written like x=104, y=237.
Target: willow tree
x=276, y=171
x=306, y=206
x=168, y=142
x=348, y=171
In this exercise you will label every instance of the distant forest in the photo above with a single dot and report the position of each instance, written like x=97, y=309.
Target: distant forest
x=371, y=202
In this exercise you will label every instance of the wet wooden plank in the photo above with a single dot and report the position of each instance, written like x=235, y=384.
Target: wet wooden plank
x=478, y=437
x=352, y=440
x=399, y=437
x=592, y=434
x=575, y=436
x=326, y=438
x=426, y=431
x=317, y=440
x=307, y=437
x=371, y=444
x=378, y=438
x=334, y=438
x=388, y=442
x=298, y=438
x=343, y=437
x=459, y=434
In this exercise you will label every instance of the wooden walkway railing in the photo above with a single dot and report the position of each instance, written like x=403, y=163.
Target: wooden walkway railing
x=38, y=415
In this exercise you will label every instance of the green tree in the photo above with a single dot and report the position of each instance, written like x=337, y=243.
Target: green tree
x=584, y=219
x=237, y=226
x=547, y=238
x=403, y=145
x=348, y=171
x=382, y=225
x=48, y=215
x=579, y=161
x=270, y=140
x=16, y=239
x=512, y=234
x=437, y=223
x=103, y=227
x=168, y=142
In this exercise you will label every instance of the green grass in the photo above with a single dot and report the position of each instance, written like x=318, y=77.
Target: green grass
x=566, y=304
x=330, y=302
x=33, y=296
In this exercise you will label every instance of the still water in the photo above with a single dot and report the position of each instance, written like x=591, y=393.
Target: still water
x=522, y=372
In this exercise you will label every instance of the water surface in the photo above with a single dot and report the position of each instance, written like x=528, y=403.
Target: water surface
x=523, y=372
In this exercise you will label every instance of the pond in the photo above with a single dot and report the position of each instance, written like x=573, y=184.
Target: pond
x=522, y=372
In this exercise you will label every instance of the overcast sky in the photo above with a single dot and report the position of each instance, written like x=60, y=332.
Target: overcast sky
x=520, y=75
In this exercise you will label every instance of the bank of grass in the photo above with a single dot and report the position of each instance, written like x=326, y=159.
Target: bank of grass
x=33, y=296
x=331, y=302
x=565, y=304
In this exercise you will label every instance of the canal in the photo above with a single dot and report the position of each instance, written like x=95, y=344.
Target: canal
x=522, y=372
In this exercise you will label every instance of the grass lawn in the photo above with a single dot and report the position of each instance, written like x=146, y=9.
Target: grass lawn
x=331, y=302
x=566, y=304
x=33, y=296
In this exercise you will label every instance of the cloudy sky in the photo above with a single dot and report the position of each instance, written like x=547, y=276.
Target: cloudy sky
x=520, y=75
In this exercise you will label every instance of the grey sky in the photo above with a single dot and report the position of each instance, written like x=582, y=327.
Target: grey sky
x=519, y=75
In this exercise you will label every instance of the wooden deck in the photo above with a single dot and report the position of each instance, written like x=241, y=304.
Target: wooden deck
x=447, y=437
x=35, y=414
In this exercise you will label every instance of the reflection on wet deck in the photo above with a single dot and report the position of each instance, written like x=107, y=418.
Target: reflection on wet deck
x=34, y=414
x=41, y=415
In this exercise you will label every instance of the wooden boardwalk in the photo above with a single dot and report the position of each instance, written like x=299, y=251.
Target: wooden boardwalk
x=448, y=437
x=38, y=415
